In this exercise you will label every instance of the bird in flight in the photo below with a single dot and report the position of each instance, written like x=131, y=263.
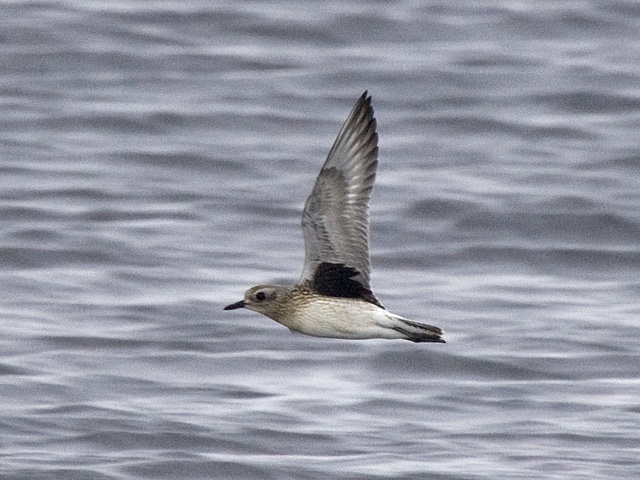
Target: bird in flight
x=333, y=297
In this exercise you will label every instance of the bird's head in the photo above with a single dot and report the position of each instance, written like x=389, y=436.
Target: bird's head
x=268, y=300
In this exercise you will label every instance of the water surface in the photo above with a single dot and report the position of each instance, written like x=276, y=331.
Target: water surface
x=154, y=160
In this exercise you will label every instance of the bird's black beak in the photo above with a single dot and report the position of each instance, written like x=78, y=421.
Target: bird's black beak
x=233, y=306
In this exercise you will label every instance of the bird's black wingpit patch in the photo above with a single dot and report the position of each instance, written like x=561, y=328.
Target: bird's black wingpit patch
x=336, y=280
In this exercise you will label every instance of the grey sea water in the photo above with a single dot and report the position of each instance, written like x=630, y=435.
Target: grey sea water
x=154, y=160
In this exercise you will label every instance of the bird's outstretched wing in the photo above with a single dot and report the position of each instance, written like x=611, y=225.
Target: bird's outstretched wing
x=335, y=220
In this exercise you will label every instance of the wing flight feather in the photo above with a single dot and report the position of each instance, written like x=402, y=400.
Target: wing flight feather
x=335, y=220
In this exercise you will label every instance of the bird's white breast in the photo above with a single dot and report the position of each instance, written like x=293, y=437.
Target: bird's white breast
x=341, y=318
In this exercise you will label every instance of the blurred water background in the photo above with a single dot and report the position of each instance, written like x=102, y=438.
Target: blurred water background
x=154, y=160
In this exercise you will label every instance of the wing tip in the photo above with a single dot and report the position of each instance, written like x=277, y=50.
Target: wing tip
x=365, y=98
x=363, y=112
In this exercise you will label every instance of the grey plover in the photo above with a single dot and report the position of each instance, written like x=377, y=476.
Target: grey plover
x=333, y=297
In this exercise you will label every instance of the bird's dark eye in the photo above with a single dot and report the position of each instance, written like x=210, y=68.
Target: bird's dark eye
x=260, y=296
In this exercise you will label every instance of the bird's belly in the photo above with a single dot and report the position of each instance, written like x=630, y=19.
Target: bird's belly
x=338, y=318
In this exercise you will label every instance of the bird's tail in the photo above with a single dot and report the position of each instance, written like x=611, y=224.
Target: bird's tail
x=418, y=332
